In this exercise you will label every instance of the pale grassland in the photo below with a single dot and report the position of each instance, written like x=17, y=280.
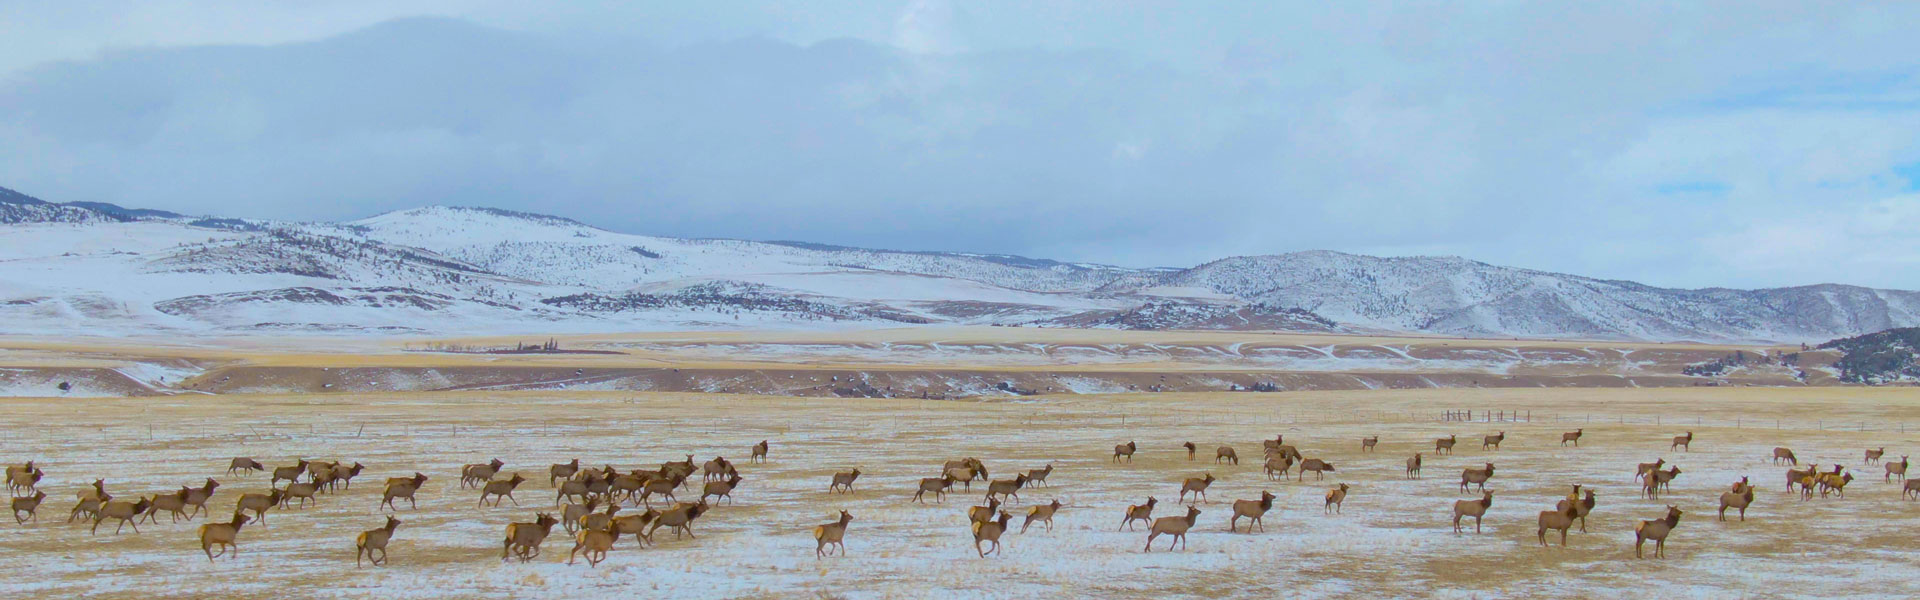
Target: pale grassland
x=1393, y=539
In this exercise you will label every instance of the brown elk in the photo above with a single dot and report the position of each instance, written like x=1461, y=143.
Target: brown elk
x=1911, y=489
x=1336, y=497
x=636, y=525
x=1367, y=443
x=1830, y=483
x=1125, y=450
x=570, y=514
x=575, y=489
x=1006, y=488
x=1581, y=506
x=175, y=503
x=31, y=506
x=289, y=473
x=977, y=514
x=843, y=482
x=1472, y=476
x=1197, y=486
x=1656, y=530
x=1191, y=449
x=721, y=490
x=259, y=503
x=1319, y=467
x=1740, y=498
x=594, y=520
x=1560, y=518
x=198, y=497
x=1278, y=465
x=22, y=477
x=1493, y=441
x=990, y=532
x=1285, y=451
x=318, y=468
x=1658, y=480
x=1783, y=454
x=1445, y=445
x=937, y=485
x=523, y=539
x=501, y=489
x=679, y=518
x=242, y=465
x=402, y=487
x=1645, y=468
x=124, y=511
x=966, y=470
x=1172, y=526
x=565, y=470
x=1044, y=514
x=1038, y=477
x=1142, y=512
x=1795, y=476
x=479, y=475
x=1471, y=508
x=1682, y=441
x=759, y=452
x=1873, y=456
x=665, y=487
x=374, y=539
x=1413, y=466
x=1253, y=510
x=831, y=534
x=90, y=501
x=1897, y=468
x=1572, y=436
x=717, y=469
x=1225, y=453
x=594, y=544
x=225, y=535
x=302, y=491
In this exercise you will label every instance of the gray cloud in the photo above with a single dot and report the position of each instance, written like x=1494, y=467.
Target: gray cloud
x=1673, y=146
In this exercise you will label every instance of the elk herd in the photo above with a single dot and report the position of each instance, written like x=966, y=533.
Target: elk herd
x=596, y=506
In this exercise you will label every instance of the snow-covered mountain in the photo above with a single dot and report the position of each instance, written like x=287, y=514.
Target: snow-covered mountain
x=101, y=268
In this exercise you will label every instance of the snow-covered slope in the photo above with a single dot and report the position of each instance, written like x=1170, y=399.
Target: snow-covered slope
x=106, y=269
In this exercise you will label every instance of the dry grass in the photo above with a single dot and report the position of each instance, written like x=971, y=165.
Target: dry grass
x=1393, y=540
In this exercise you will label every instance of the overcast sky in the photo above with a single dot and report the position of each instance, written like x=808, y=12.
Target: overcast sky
x=1747, y=144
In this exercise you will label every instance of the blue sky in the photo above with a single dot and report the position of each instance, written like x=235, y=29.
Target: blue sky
x=1698, y=144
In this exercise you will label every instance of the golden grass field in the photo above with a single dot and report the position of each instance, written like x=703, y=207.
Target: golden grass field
x=1392, y=540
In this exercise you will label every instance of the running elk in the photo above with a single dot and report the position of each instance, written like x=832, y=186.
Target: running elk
x=259, y=503
x=31, y=506
x=500, y=489
x=1656, y=530
x=523, y=539
x=561, y=471
x=1471, y=508
x=937, y=485
x=1038, y=477
x=990, y=532
x=402, y=487
x=1278, y=465
x=124, y=511
x=679, y=518
x=1144, y=512
x=594, y=544
x=1197, y=486
x=831, y=534
x=224, y=535
x=374, y=539
x=721, y=490
x=1173, y=526
x=289, y=473
x=479, y=475
x=979, y=514
x=1007, y=487
x=1042, y=514
x=843, y=482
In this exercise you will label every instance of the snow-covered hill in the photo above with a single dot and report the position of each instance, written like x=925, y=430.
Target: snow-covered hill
x=443, y=270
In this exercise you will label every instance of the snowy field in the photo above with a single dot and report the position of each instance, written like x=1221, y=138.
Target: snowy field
x=1392, y=540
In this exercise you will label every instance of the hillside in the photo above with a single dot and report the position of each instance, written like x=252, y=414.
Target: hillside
x=1880, y=357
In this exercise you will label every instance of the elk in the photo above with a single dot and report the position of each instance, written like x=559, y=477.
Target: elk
x=175, y=503
x=303, y=491
x=990, y=531
x=1190, y=450
x=1897, y=468
x=1143, y=512
x=1445, y=445
x=90, y=501
x=1658, y=480
x=978, y=514
x=225, y=535
x=479, y=475
x=1285, y=451
x=831, y=534
x=1471, y=508
x=1042, y=514
x=1780, y=454
x=759, y=452
x=1835, y=484
x=259, y=503
x=1225, y=453
x=1173, y=526
x=716, y=469
x=402, y=487
x=1125, y=450
x=679, y=518
x=1038, y=477
x=24, y=478
x=523, y=539
x=1367, y=443
x=572, y=488
x=1196, y=485
x=1873, y=456
x=1275, y=443
x=636, y=525
x=1581, y=506
x=316, y=469
x=570, y=514
x=1572, y=436
x=1911, y=489
x=344, y=474
x=1319, y=467
x=1007, y=487
x=124, y=511
x=561, y=471
x=1413, y=466
x=1493, y=441
x=198, y=497
x=31, y=506
x=1335, y=497
x=241, y=465
x=594, y=520
x=288, y=473
x=595, y=543
x=937, y=485
x=1474, y=476
x=1682, y=441
x=1253, y=510
x=374, y=539
x=1795, y=476
x=1645, y=468
x=1560, y=518
x=498, y=489
x=663, y=487
x=966, y=470
x=1740, y=498
x=721, y=489
x=1656, y=530
x=1278, y=465
x=843, y=482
